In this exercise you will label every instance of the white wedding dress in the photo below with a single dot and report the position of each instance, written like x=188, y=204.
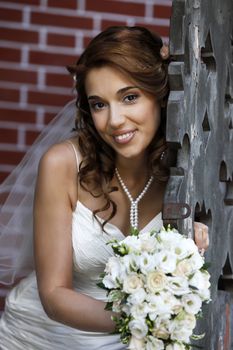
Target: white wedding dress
x=24, y=324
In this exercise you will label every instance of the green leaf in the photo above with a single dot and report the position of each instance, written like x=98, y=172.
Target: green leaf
x=108, y=306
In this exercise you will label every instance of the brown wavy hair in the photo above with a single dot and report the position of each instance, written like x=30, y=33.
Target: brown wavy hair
x=135, y=51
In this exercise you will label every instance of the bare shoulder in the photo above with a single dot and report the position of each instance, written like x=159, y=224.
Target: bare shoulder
x=59, y=157
x=57, y=173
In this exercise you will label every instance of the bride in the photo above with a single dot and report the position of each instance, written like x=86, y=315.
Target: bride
x=85, y=193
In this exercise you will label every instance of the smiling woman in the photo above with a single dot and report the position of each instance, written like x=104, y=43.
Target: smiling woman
x=93, y=187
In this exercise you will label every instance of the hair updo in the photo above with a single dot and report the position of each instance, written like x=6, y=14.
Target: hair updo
x=135, y=51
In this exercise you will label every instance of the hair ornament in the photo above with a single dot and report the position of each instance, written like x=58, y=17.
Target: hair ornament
x=164, y=51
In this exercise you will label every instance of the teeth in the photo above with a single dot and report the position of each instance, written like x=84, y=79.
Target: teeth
x=123, y=136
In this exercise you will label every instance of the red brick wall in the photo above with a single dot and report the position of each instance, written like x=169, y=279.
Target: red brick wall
x=38, y=38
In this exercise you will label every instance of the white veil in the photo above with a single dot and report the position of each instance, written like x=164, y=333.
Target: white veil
x=16, y=200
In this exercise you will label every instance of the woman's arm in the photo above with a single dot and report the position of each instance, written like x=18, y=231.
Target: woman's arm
x=56, y=184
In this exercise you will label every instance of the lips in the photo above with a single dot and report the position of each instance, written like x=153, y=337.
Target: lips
x=124, y=137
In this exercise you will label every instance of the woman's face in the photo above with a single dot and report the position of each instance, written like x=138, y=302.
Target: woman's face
x=125, y=116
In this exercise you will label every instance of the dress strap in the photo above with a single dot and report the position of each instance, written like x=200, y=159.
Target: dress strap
x=76, y=153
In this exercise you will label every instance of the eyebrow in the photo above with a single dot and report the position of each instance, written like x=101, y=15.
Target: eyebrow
x=119, y=92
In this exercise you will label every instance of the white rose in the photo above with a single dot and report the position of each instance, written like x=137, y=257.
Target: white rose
x=167, y=261
x=192, y=303
x=138, y=328
x=136, y=344
x=177, y=285
x=132, y=283
x=148, y=242
x=154, y=343
x=200, y=280
x=175, y=346
x=156, y=281
x=146, y=263
x=137, y=297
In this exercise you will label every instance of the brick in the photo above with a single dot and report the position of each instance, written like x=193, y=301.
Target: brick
x=9, y=95
x=31, y=136
x=19, y=115
x=124, y=8
x=55, y=20
x=8, y=135
x=48, y=99
x=61, y=40
x=19, y=35
x=161, y=30
x=59, y=80
x=108, y=23
x=2, y=299
x=3, y=176
x=48, y=117
x=10, y=15
x=11, y=157
x=26, y=2
x=18, y=76
x=8, y=54
x=52, y=59
x=162, y=11
x=67, y=4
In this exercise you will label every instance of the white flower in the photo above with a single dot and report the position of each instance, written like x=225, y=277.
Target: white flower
x=130, y=262
x=114, y=273
x=157, y=306
x=154, y=343
x=109, y=282
x=196, y=261
x=132, y=242
x=181, y=327
x=136, y=344
x=181, y=333
x=148, y=242
x=167, y=261
x=200, y=280
x=192, y=303
x=132, y=283
x=185, y=248
x=175, y=346
x=138, y=328
x=161, y=327
x=156, y=281
x=177, y=285
x=146, y=263
x=139, y=310
x=137, y=297
x=183, y=268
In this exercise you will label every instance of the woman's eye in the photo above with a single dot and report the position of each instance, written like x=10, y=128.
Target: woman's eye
x=97, y=106
x=130, y=98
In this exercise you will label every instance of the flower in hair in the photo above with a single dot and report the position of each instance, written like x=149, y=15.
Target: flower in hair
x=164, y=51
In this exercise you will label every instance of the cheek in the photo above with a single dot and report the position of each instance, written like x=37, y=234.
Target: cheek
x=99, y=123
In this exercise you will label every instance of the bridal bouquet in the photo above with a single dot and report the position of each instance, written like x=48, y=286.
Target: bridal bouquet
x=156, y=283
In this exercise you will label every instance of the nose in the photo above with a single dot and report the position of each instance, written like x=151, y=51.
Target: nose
x=116, y=117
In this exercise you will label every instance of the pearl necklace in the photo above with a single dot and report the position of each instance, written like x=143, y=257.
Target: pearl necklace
x=134, y=202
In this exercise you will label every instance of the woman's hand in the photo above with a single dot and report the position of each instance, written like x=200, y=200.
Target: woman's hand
x=201, y=236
